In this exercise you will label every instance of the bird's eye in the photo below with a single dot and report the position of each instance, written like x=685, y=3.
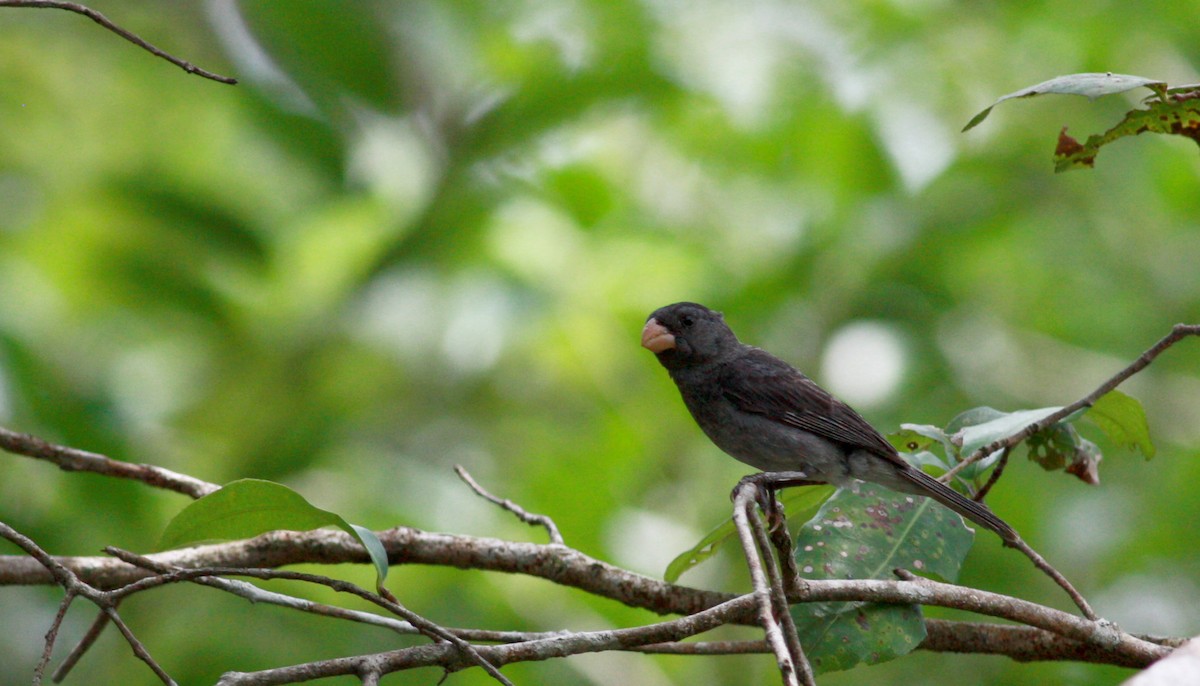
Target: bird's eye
x=687, y=320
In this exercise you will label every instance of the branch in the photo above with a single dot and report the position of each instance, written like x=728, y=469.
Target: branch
x=530, y=519
x=572, y=568
x=75, y=460
x=73, y=586
x=743, y=504
x=1178, y=333
x=559, y=645
x=424, y=626
x=127, y=35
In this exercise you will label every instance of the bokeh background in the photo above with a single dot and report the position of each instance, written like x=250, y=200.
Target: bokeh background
x=428, y=233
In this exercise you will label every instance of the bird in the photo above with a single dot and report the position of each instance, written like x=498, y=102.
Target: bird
x=765, y=413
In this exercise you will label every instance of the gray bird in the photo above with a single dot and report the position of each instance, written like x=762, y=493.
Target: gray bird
x=765, y=413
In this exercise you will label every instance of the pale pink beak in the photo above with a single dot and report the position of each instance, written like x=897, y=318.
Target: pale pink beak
x=656, y=338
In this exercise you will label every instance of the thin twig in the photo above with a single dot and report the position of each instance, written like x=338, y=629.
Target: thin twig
x=744, y=500
x=138, y=649
x=1041, y=563
x=85, y=643
x=73, y=585
x=559, y=645
x=781, y=537
x=527, y=517
x=425, y=626
x=127, y=35
x=1178, y=333
x=75, y=460
x=51, y=637
x=571, y=568
x=779, y=598
x=994, y=476
x=257, y=595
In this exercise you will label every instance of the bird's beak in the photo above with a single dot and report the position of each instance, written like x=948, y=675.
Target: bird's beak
x=656, y=338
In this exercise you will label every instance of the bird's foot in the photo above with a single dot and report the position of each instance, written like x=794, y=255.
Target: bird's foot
x=765, y=484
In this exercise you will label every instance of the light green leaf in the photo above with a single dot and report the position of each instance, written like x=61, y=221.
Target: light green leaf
x=1089, y=85
x=914, y=440
x=249, y=507
x=1122, y=418
x=914, y=437
x=798, y=503
x=1002, y=425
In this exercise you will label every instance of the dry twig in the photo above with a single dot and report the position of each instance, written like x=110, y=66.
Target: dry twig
x=126, y=34
x=530, y=519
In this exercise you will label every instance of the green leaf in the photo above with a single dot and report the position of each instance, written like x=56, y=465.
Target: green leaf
x=914, y=437
x=798, y=503
x=870, y=634
x=914, y=440
x=1054, y=448
x=1089, y=85
x=249, y=507
x=1123, y=419
x=865, y=534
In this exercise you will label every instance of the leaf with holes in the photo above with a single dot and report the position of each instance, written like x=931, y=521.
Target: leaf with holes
x=865, y=533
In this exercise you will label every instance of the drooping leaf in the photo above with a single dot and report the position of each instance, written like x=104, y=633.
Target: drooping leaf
x=249, y=507
x=798, y=503
x=865, y=533
x=1123, y=419
x=1089, y=85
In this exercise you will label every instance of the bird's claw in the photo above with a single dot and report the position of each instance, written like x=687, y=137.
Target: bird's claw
x=764, y=495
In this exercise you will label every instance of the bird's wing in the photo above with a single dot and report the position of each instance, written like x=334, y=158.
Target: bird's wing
x=762, y=384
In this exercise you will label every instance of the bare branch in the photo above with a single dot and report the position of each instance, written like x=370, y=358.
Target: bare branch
x=127, y=35
x=743, y=502
x=1041, y=563
x=138, y=649
x=530, y=519
x=559, y=645
x=106, y=601
x=51, y=637
x=81, y=647
x=1077, y=638
x=778, y=597
x=425, y=626
x=1178, y=333
x=75, y=460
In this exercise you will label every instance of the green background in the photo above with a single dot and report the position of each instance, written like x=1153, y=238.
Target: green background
x=428, y=233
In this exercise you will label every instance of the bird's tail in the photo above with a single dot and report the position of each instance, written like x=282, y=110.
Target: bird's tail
x=972, y=510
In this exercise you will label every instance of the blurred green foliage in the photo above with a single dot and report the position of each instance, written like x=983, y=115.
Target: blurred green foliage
x=427, y=233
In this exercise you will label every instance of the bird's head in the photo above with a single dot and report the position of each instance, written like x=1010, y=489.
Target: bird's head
x=687, y=334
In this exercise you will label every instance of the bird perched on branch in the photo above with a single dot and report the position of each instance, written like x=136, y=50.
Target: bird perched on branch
x=765, y=413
